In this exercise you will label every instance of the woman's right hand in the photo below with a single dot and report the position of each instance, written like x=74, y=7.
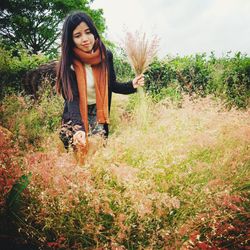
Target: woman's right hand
x=79, y=138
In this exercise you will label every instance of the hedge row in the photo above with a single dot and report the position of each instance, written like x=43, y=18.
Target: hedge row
x=198, y=75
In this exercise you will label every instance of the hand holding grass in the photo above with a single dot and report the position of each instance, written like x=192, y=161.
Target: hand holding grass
x=79, y=138
x=138, y=81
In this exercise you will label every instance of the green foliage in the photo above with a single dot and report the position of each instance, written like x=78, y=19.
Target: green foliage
x=179, y=183
x=158, y=76
x=227, y=78
x=230, y=79
x=122, y=67
x=36, y=24
x=14, y=63
x=13, y=198
x=192, y=73
x=236, y=79
x=172, y=92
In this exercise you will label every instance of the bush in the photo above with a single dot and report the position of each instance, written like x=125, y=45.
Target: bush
x=122, y=67
x=227, y=78
x=14, y=63
x=192, y=73
x=236, y=78
x=159, y=75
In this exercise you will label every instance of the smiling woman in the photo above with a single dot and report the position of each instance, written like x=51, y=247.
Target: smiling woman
x=83, y=38
x=86, y=79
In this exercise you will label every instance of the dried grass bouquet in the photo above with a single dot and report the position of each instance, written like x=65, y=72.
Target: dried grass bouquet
x=140, y=52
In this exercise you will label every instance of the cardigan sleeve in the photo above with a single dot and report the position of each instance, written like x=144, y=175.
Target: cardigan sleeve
x=117, y=87
x=71, y=121
x=72, y=110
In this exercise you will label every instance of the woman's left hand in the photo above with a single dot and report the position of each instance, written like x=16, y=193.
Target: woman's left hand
x=138, y=81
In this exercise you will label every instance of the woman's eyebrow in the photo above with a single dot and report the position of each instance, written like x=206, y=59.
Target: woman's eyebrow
x=77, y=33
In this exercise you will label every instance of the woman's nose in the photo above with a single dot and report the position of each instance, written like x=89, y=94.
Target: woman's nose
x=84, y=38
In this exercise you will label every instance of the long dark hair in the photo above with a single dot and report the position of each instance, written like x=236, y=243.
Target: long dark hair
x=64, y=76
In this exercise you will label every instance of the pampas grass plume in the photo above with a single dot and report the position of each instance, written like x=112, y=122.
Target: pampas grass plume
x=141, y=52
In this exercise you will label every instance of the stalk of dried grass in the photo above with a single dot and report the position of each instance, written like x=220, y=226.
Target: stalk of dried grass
x=141, y=51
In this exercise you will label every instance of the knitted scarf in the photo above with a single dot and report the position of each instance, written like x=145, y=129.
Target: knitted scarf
x=100, y=81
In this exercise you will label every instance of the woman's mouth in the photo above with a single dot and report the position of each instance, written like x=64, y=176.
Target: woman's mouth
x=86, y=44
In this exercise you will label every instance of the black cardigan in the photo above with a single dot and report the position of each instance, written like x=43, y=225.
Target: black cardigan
x=71, y=110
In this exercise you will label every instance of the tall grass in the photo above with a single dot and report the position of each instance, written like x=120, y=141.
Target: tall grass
x=32, y=121
x=182, y=183
x=168, y=187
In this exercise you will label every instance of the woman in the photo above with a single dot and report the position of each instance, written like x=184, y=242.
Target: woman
x=86, y=79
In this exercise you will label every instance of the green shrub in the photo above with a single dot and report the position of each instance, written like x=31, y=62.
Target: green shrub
x=192, y=73
x=14, y=63
x=237, y=80
x=230, y=80
x=159, y=75
x=227, y=78
x=122, y=67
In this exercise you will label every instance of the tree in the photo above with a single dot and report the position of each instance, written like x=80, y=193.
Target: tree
x=35, y=24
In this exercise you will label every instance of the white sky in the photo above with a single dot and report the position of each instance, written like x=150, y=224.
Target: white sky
x=183, y=26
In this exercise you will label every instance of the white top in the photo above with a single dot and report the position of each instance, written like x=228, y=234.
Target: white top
x=91, y=96
x=90, y=85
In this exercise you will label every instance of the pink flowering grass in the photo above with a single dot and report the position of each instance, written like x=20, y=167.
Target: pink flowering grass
x=160, y=188
x=10, y=169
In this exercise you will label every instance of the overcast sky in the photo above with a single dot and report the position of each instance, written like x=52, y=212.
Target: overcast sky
x=183, y=26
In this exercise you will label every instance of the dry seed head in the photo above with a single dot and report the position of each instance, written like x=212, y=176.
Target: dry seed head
x=140, y=50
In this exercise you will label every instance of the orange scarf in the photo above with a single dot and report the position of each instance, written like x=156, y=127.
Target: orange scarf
x=100, y=81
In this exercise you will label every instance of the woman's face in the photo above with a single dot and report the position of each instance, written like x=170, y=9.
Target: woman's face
x=83, y=38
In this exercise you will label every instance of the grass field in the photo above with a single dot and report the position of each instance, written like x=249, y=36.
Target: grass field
x=179, y=182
